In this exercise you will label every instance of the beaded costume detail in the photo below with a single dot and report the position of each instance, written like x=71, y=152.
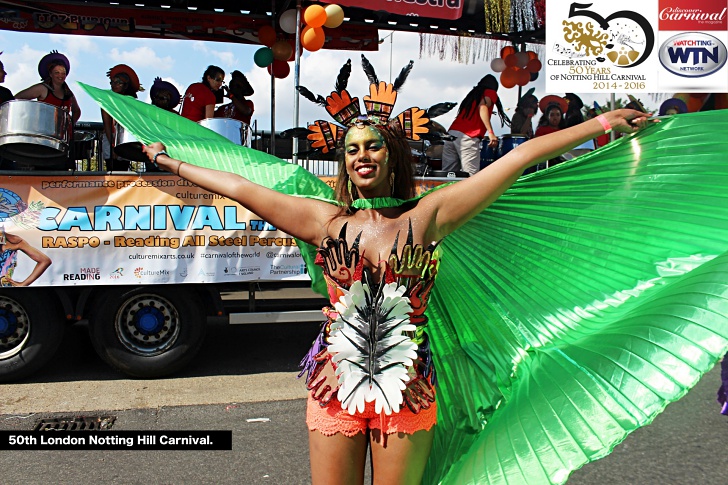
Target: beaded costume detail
x=373, y=347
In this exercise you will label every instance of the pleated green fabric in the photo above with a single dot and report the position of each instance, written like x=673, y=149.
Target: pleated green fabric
x=591, y=295
x=188, y=141
x=570, y=312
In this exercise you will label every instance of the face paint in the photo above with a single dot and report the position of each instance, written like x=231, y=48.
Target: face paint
x=366, y=157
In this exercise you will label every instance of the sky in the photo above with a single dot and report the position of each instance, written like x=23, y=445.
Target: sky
x=182, y=63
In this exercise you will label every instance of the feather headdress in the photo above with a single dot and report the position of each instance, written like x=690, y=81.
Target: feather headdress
x=378, y=105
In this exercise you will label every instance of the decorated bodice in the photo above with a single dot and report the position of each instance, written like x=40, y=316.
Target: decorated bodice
x=374, y=337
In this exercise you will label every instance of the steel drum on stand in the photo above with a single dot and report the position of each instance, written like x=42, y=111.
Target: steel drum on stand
x=488, y=154
x=83, y=147
x=234, y=130
x=34, y=132
x=127, y=146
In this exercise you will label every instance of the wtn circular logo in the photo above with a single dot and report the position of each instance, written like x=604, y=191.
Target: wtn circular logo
x=692, y=54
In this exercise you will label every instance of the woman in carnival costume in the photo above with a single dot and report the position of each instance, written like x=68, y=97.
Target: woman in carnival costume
x=559, y=323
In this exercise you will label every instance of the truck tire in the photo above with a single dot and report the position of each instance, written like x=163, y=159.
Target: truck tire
x=148, y=332
x=29, y=333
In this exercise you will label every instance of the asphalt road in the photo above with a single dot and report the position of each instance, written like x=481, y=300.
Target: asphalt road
x=244, y=381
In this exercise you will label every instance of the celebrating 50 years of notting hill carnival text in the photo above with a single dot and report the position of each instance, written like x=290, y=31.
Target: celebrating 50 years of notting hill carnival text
x=651, y=46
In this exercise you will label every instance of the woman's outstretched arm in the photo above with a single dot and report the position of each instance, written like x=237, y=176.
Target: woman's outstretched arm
x=303, y=218
x=456, y=204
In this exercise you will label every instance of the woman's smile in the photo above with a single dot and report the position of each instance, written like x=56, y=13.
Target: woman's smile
x=367, y=161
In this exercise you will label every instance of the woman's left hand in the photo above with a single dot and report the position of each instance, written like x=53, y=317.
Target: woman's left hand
x=153, y=149
x=492, y=139
x=627, y=120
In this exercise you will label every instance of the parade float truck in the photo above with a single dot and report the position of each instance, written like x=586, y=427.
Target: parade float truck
x=148, y=260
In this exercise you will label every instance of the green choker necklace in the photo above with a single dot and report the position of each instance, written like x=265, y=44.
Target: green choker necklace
x=377, y=203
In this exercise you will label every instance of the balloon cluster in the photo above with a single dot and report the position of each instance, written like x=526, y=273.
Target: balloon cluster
x=516, y=68
x=277, y=53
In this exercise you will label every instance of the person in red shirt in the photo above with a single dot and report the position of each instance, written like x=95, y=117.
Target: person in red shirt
x=199, y=100
x=239, y=108
x=471, y=124
x=53, y=69
x=553, y=108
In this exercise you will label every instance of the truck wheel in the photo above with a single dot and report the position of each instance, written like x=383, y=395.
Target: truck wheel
x=145, y=332
x=29, y=334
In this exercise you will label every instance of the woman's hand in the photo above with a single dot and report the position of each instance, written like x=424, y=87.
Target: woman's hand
x=492, y=139
x=627, y=120
x=153, y=149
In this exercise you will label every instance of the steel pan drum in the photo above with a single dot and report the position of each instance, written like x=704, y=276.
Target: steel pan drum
x=34, y=132
x=234, y=130
x=488, y=154
x=83, y=142
x=126, y=145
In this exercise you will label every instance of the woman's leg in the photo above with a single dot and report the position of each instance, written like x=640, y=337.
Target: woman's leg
x=400, y=458
x=337, y=460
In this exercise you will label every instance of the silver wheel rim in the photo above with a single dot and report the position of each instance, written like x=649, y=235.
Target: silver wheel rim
x=147, y=324
x=14, y=328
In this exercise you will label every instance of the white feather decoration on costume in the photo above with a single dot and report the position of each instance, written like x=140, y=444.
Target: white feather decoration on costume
x=369, y=346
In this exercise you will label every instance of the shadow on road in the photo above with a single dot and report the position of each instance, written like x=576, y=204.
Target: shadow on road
x=227, y=350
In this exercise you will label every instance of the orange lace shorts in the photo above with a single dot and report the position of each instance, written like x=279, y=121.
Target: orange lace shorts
x=333, y=419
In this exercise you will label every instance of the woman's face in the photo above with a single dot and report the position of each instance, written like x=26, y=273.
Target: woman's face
x=162, y=99
x=554, y=117
x=671, y=111
x=119, y=84
x=367, y=161
x=216, y=82
x=58, y=74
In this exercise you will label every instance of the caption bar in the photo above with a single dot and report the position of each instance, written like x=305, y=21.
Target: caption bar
x=116, y=440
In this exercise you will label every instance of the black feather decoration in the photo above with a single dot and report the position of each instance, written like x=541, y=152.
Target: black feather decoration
x=343, y=78
x=369, y=70
x=303, y=91
x=399, y=82
x=439, y=109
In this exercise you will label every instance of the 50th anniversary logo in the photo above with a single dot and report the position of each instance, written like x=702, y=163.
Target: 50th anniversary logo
x=647, y=46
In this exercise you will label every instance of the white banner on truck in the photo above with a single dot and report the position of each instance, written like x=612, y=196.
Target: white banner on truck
x=98, y=229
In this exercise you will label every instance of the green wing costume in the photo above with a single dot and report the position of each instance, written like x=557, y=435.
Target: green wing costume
x=567, y=314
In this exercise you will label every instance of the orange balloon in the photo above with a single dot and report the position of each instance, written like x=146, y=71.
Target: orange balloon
x=532, y=55
x=315, y=16
x=511, y=60
x=507, y=51
x=523, y=77
x=267, y=35
x=534, y=65
x=313, y=38
x=282, y=50
x=508, y=78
